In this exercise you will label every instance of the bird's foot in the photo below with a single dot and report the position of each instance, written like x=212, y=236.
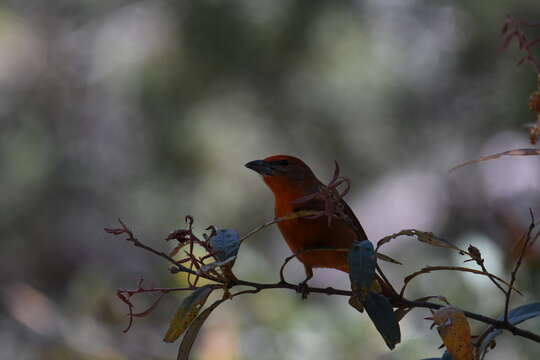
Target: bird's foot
x=303, y=289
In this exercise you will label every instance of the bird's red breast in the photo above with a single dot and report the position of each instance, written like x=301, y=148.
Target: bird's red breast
x=290, y=178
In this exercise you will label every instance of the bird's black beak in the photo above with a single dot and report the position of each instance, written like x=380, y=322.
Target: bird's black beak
x=262, y=167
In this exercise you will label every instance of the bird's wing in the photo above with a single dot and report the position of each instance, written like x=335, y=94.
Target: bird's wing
x=350, y=214
x=318, y=204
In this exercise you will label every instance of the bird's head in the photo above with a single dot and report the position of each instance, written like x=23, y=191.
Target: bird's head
x=283, y=173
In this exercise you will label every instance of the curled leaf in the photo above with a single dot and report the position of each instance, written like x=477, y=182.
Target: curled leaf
x=422, y=236
x=387, y=258
x=188, y=310
x=455, y=332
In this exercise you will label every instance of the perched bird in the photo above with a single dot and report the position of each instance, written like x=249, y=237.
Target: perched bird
x=290, y=178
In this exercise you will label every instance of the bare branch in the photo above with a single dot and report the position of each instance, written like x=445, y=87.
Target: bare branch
x=398, y=301
x=428, y=269
x=518, y=264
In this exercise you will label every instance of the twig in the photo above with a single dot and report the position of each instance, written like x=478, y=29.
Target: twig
x=296, y=254
x=428, y=269
x=178, y=267
x=259, y=228
x=524, y=45
x=293, y=215
x=397, y=301
x=476, y=256
x=496, y=323
x=518, y=264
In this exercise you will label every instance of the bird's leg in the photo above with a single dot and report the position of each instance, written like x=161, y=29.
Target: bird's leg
x=303, y=287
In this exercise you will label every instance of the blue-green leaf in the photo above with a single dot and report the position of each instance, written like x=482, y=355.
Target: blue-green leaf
x=523, y=313
x=515, y=316
x=225, y=243
x=362, y=262
x=382, y=315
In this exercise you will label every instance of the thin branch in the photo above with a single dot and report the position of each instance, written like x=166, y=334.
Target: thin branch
x=294, y=215
x=476, y=256
x=259, y=228
x=396, y=301
x=496, y=323
x=428, y=269
x=518, y=264
x=296, y=254
x=137, y=243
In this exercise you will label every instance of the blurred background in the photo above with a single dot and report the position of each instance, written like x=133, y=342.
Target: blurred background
x=148, y=110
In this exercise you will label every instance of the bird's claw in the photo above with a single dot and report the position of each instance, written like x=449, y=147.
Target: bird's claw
x=303, y=289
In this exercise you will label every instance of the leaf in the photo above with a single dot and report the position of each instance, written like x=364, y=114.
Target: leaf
x=401, y=312
x=387, y=258
x=515, y=316
x=298, y=214
x=382, y=315
x=362, y=262
x=226, y=243
x=209, y=267
x=423, y=236
x=356, y=303
x=193, y=331
x=188, y=310
x=431, y=239
x=515, y=152
x=455, y=332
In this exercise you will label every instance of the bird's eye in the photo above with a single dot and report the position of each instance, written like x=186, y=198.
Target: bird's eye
x=282, y=162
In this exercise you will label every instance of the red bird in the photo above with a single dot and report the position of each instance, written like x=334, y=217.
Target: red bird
x=290, y=178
